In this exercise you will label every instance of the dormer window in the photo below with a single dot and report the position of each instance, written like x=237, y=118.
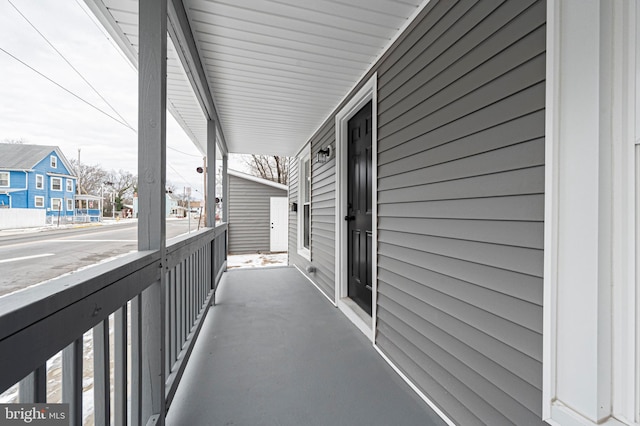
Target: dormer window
x=54, y=161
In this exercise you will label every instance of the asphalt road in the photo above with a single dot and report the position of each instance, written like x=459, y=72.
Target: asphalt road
x=31, y=258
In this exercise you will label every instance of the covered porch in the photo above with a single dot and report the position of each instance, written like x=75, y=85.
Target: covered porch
x=273, y=351
x=500, y=187
x=154, y=316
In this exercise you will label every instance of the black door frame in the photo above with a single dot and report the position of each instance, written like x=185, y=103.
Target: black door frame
x=366, y=323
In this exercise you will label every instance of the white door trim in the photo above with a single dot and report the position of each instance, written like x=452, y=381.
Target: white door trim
x=360, y=318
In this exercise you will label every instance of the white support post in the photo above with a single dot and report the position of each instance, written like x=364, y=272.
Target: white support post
x=581, y=215
x=211, y=174
x=590, y=260
x=225, y=188
x=152, y=87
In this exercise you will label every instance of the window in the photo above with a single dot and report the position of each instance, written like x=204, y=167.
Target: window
x=39, y=201
x=54, y=161
x=4, y=178
x=304, y=212
x=56, y=184
x=56, y=204
x=69, y=204
x=69, y=185
x=39, y=182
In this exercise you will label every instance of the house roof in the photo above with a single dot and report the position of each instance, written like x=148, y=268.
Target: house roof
x=25, y=157
x=268, y=72
x=258, y=180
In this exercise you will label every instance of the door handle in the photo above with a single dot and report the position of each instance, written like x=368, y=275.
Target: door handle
x=348, y=218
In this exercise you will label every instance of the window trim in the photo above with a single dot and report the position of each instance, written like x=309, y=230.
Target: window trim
x=35, y=201
x=8, y=185
x=53, y=161
x=53, y=178
x=69, y=203
x=41, y=186
x=69, y=185
x=302, y=250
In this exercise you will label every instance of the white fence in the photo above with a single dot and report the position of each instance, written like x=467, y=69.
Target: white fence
x=22, y=218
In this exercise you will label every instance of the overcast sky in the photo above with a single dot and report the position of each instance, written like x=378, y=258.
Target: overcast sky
x=36, y=110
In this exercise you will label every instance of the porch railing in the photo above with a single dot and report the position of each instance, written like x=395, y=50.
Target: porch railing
x=38, y=323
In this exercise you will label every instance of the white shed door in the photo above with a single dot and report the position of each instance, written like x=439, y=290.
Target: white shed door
x=279, y=223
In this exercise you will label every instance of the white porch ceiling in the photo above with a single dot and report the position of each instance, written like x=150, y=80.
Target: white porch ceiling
x=276, y=69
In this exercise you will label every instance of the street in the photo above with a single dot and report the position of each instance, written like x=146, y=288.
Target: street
x=31, y=258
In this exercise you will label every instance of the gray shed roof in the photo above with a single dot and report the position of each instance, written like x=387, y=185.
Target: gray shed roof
x=258, y=180
x=25, y=157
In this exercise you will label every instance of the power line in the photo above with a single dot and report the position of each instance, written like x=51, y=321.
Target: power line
x=178, y=173
x=124, y=121
x=70, y=64
x=181, y=152
x=111, y=41
x=66, y=90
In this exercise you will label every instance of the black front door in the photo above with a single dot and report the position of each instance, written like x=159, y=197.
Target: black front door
x=359, y=209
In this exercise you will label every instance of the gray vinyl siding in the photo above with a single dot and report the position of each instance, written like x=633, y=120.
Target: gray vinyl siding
x=461, y=97
x=461, y=207
x=249, y=215
x=322, y=220
x=323, y=212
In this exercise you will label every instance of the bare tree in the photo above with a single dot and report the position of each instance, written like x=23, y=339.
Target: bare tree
x=20, y=141
x=90, y=177
x=171, y=187
x=123, y=184
x=271, y=167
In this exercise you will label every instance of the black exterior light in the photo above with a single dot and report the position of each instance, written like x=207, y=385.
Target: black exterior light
x=323, y=155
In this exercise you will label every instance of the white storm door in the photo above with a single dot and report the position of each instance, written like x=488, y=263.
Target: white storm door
x=279, y=223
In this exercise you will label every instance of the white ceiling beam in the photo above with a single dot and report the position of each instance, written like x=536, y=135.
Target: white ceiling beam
x=180, y=32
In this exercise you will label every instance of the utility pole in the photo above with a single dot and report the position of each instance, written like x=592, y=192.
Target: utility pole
x=203, y=170
x=101, y=201
x=187, y=194
x=204, y=176
x=79, y=188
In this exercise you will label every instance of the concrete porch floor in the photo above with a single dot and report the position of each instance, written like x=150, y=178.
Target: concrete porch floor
x=274, y=351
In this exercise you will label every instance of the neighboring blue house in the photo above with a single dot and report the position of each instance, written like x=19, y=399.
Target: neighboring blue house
x=36, y=177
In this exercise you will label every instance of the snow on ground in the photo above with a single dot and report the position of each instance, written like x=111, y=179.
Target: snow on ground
x=256, y=260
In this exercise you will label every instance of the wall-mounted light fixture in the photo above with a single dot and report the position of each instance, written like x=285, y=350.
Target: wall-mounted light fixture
x=324, y=155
